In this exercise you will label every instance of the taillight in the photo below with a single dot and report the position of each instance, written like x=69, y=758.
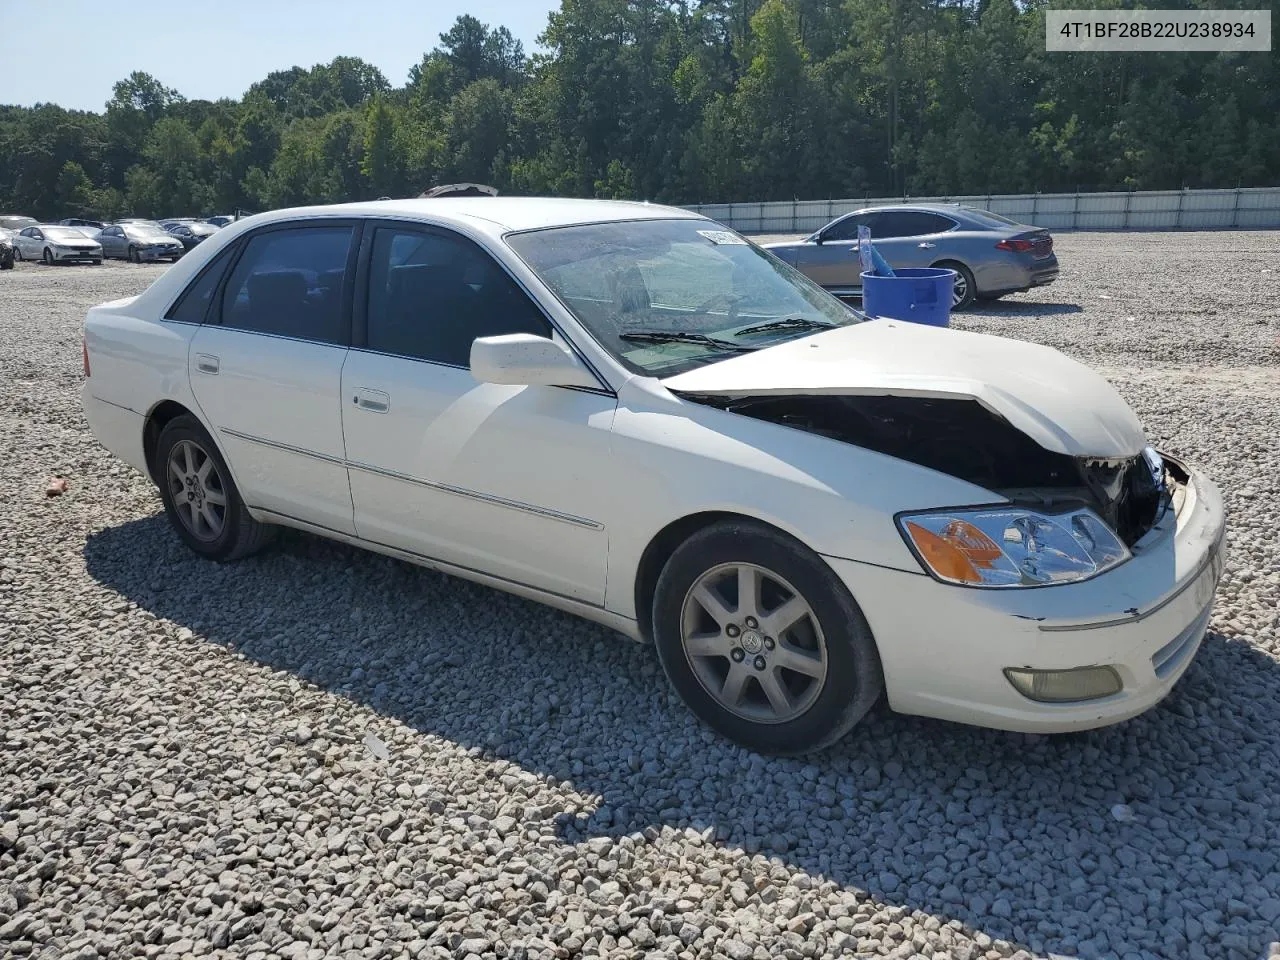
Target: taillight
x=85, y=344
x=1017, y=246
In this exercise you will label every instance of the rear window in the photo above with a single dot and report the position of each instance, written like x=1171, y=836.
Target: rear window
x=193, y=305
x=988, y=215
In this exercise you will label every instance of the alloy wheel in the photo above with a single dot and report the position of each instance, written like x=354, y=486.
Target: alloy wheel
x=960, y=290
x=754, y=643
x=197, y=489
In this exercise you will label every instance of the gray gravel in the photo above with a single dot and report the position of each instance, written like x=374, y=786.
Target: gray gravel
x=324, y=752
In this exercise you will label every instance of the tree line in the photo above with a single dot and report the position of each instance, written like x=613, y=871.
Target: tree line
x=674, y=101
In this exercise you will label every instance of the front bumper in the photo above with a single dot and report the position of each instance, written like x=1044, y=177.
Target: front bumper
x=945, y=648
x=77, y=256
x=160, y=253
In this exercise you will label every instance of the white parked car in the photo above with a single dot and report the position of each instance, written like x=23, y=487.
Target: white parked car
x=53, y=243
x=631, y=413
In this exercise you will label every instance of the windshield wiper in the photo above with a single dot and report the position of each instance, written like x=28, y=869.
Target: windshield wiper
x=683, y=336
x=786, y=323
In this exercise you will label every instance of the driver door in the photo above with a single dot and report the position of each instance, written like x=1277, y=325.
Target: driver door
x=834, y=263
x=29, y=243
x=511, y=481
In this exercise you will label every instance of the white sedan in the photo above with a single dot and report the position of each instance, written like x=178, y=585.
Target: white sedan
x=53, y=243
x=629, y=412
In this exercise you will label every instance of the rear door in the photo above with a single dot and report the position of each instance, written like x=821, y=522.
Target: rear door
x=910, y=238
x=266, y=368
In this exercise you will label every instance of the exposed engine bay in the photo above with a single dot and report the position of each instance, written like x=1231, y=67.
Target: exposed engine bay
x=964, y=439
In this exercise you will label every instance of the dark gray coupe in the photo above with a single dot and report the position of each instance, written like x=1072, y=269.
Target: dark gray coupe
x=991, y=255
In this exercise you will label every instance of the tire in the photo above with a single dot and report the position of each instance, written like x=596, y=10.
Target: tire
x=134, y=256
x=190, y=500
x=17, y=254
x=7, y=263
x=966, y=288
x=47, y=259
x=707, y=657
x=97, y=262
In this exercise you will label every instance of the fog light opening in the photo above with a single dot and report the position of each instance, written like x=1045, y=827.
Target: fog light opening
x=1065, y=686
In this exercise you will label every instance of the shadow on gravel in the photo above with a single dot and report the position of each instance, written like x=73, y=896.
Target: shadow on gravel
x=1022, y=308
x=1012, y=835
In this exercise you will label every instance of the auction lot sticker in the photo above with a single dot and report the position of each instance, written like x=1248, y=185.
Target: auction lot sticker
x=1156, y=31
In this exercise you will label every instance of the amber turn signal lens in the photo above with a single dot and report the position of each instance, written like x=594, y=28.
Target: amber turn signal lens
x=959, y=552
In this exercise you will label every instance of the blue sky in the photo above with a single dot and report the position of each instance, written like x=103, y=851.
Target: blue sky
x=72, y=51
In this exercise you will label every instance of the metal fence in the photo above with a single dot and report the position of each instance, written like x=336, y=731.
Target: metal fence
x=1248, y=208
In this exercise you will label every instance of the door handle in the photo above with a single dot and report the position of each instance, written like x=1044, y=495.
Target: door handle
x=927, y=245
x=375, y=401
x=207, y=363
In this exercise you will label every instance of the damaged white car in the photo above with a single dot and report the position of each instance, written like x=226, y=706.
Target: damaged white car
x=630, y=413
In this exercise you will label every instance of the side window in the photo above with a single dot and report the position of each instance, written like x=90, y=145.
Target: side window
x=909, y=223
x=885, y=226
x=431, y=294
x=935, y=223
x=193, y=305
x=846, y=229
x=289, y=283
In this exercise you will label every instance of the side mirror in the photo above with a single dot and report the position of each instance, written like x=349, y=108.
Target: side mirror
x=817, y=238
x=525, y=359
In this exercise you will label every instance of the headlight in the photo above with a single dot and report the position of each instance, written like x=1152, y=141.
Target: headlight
x=1012, y=547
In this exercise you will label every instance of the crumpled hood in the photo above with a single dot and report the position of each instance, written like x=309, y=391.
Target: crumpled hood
x=1059, y=403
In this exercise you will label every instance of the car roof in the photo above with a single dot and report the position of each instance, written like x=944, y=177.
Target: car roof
x=915, y=208
x=492, y=214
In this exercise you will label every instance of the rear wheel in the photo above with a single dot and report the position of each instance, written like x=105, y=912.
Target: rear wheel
x=965, y=291
x=762, y=641
x=200, y=498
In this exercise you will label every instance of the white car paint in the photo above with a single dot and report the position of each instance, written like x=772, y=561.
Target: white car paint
x=555, y=493
x=1061, y=404
x=63, y=243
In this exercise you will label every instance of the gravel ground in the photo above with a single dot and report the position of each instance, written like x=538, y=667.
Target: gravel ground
x=324, y=752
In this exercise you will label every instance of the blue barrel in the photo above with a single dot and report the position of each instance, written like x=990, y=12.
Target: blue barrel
x=916, y=294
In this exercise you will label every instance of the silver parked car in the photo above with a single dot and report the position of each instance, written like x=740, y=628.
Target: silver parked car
x=54, y=243
x=991, y=255
x=139, y=242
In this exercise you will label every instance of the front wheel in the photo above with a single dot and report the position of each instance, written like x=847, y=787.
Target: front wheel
x=48, y=257
x=965, y=290
x=200, y=498
x=134, y=256
x=17, y=254
x=762, y=641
